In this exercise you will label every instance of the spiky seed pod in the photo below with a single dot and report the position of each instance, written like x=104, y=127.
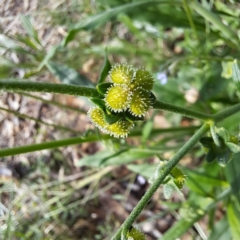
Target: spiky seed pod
x=144, y=79
x=135, y=234
x=179, y=177
x=96, y=116
x=121, y=74
x=117, y=98
x=120, y=129
x=140, y=102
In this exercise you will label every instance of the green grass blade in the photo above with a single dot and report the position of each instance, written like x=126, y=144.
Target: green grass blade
x=233, y=215
x=204, y=178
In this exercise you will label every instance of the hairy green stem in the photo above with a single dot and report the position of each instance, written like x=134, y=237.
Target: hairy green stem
x=46, y=145
x=183, y=111
x=171, y=164
x=226, y=113
x=77, y=140
x=13, y=85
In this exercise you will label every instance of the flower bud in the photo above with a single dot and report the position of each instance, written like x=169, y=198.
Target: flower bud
x=117, y=98
x=140, y=102
x=144, y=79
x=120, y=129
x=96, y=115
x=121, y=74
x=135, y=234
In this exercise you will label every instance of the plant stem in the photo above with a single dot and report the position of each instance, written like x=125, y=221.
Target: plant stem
x=226, y=113
x=76, y=140
x=183, y=111
x=20, y=85
x=171, y=164
x=46, y=145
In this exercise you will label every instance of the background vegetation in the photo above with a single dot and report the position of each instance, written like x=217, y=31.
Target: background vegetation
x=87, y=189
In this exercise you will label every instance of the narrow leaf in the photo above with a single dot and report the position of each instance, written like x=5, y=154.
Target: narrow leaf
x=122, y=158
x=233, y=214
x=105, y=70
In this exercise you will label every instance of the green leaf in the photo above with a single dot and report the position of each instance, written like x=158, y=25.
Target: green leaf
x=223, y=156
x=221, y=230
x=112, y=118
x=99, y=102
x=101, y=18
x=233, y=147
x=204, y=179
x=211, y=155
x=212, y=86
x=207, y=142
x=232, y=172
x=103, y=87
x=233, y=215
x=68, y=75
x=168, y=189
x=132, y=118
x=105, y=70
x=123, y=158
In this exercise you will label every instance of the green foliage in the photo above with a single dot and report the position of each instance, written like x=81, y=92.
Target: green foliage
x=188, y=49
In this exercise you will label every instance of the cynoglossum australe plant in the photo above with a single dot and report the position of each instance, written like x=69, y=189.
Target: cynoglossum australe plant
x=128, y=98
x=118, y=123
x=208, y=41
